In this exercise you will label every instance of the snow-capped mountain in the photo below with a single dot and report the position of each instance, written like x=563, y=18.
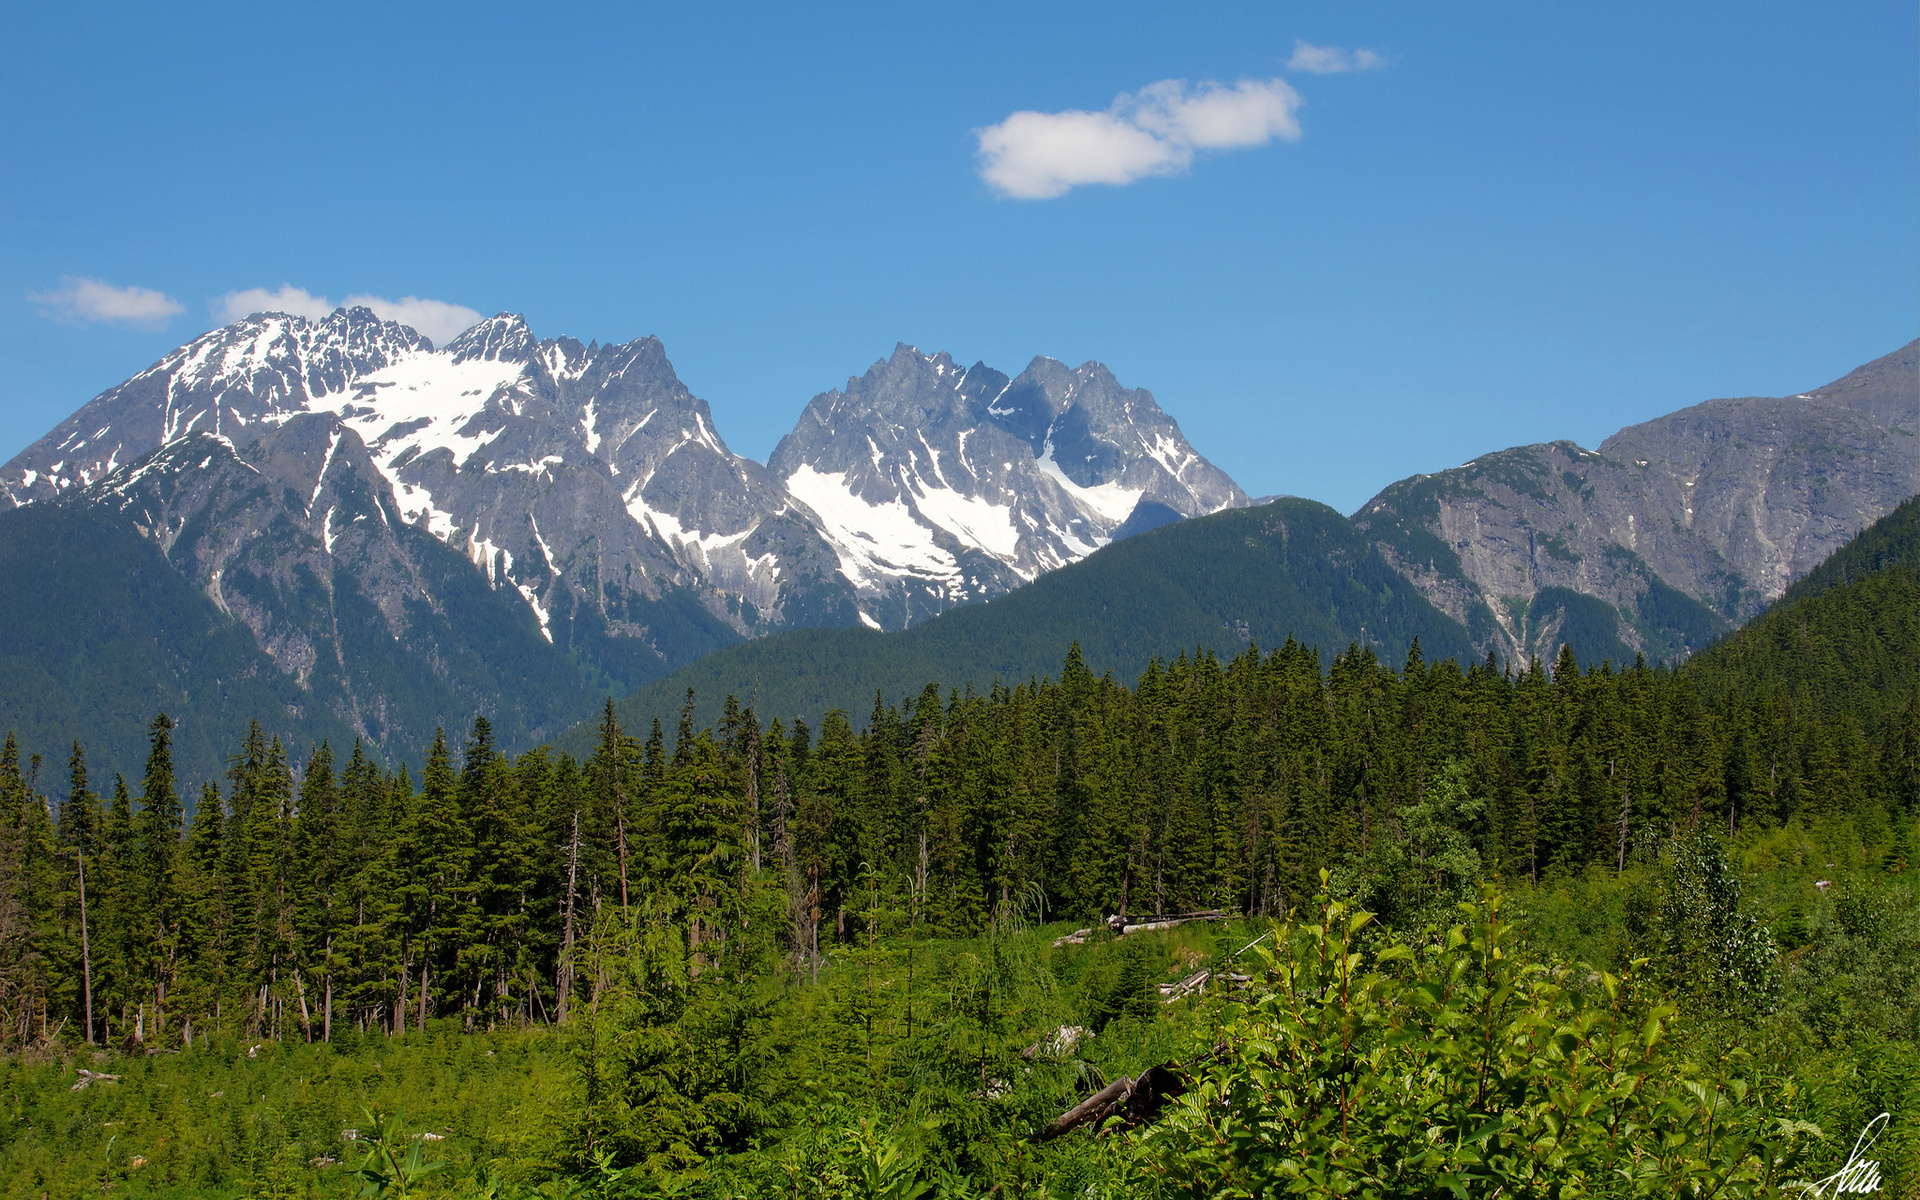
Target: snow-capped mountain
x=592, y=483
x=938, y=485
x=586, y=478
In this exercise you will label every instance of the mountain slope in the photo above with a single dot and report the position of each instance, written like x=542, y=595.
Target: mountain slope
x=1683, y=526
x=1842, y=643
x=1293, y=568
x=352, y=622
x=102, y=634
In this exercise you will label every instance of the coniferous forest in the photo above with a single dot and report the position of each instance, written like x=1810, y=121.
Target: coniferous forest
x=1239, y=927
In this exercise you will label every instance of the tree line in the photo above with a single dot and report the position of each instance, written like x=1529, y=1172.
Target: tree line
x=301, y=894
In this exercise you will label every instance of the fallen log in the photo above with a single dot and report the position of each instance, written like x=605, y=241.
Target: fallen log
x=1186, y=987
x=88, y=1077
x=1124, y=925
x=1134, y=1101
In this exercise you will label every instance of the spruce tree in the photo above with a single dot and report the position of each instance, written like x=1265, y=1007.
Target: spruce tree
x=436, y=887
x=160, y=830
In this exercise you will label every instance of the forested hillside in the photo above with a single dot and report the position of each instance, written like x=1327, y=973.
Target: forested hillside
x=1293, y=568
x=1843, y=644
x=789, y=953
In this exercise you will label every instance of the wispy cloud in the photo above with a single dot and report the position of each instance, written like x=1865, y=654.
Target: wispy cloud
x=1154, y=131
x=80, y=299
x=438, y=319
x=1333, y=60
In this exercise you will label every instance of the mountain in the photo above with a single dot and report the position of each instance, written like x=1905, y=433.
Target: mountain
x=278, y=583
x=396, y=525
x=1673, y=532
x=513, y=525
x=592, y=482
x=588, y=479
x=1294, y=568
x=938, y=486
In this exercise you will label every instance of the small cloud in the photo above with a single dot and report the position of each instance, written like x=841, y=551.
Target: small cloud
x=1333, y=60
x=1155, y=131
x=78, y=299
x=293, y=301
x=440, y=321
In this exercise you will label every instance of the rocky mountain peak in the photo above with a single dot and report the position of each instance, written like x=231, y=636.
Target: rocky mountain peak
x=501, y=338
x=1674, y=528
x=938, y=484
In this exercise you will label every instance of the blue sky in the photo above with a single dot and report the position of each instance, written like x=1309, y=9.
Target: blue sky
x=1506, y=223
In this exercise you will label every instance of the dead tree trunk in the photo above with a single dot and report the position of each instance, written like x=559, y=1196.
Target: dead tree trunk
x=86, y=950
x=564, y=984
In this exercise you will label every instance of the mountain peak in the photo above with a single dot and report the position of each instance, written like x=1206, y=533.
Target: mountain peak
x=500, y=338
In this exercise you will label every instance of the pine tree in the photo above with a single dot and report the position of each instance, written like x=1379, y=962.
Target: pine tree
x=319, y=869
x=17, y=966
x=607, y=776
x=436, y=890
x=207, y=924
x=80, y=835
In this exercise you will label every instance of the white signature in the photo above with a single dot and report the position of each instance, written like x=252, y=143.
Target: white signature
x=1860, y=1175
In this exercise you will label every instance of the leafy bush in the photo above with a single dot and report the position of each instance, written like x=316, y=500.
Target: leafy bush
x=1457, y=1068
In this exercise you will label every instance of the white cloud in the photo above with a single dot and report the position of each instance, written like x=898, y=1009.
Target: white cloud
x=79, y=299
x=1332, y=60
x=1155, y=131
x=298, y=302
x=440, y=321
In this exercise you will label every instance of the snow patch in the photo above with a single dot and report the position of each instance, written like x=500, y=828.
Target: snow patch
x=441, y=395
x=1110, y=502
x=972, y=519
x=876, y=543
x=541, y=542
x=320, y=480
x=591, y=427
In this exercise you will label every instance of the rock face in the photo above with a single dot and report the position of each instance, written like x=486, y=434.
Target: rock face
x=938, y=485
x=1682, y=526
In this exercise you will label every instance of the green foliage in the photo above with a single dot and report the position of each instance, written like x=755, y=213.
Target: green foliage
x=1842, y=644
x=1457, y=1067
x=1717, y=956
x=1583, y=621
x=395, y=1164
